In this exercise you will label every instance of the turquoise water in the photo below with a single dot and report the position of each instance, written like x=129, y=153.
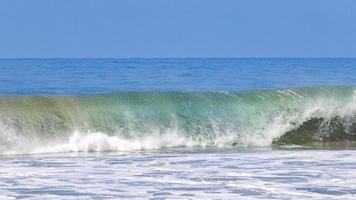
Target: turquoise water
x=177, y=128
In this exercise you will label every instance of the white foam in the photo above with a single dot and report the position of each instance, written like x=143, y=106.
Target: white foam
x=97, y=141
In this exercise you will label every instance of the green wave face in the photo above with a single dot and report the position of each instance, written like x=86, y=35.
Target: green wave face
x=155, y=120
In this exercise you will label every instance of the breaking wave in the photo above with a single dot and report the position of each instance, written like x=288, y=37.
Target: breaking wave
x=153, y=120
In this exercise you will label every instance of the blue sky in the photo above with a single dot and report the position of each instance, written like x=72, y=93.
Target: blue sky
x=179, y=28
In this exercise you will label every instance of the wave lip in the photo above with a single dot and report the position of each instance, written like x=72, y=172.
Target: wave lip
x=137, y=121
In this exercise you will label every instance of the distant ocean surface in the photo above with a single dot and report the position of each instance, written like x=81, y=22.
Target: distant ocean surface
x=87, y=76
x=178, y=128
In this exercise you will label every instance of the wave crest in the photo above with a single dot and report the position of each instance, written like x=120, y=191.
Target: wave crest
x=136, y=121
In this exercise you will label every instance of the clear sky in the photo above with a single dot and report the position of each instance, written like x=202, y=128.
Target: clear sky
x=177, y=28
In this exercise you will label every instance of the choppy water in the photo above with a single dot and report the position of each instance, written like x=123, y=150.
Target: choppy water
x=177, y=129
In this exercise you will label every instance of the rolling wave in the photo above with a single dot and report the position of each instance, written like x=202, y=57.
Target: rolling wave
x=152, y=120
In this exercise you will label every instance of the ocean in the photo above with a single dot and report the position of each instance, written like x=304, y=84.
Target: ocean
x=253, y=128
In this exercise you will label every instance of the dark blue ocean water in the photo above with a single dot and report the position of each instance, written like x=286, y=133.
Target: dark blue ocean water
x=82, y=76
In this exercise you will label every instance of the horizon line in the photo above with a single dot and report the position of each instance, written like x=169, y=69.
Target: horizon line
x=13, y=58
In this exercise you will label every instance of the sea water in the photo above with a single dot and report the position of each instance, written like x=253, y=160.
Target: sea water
x=177, y=128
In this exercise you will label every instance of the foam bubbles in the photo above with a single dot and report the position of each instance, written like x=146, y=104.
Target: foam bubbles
x=98, y=142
